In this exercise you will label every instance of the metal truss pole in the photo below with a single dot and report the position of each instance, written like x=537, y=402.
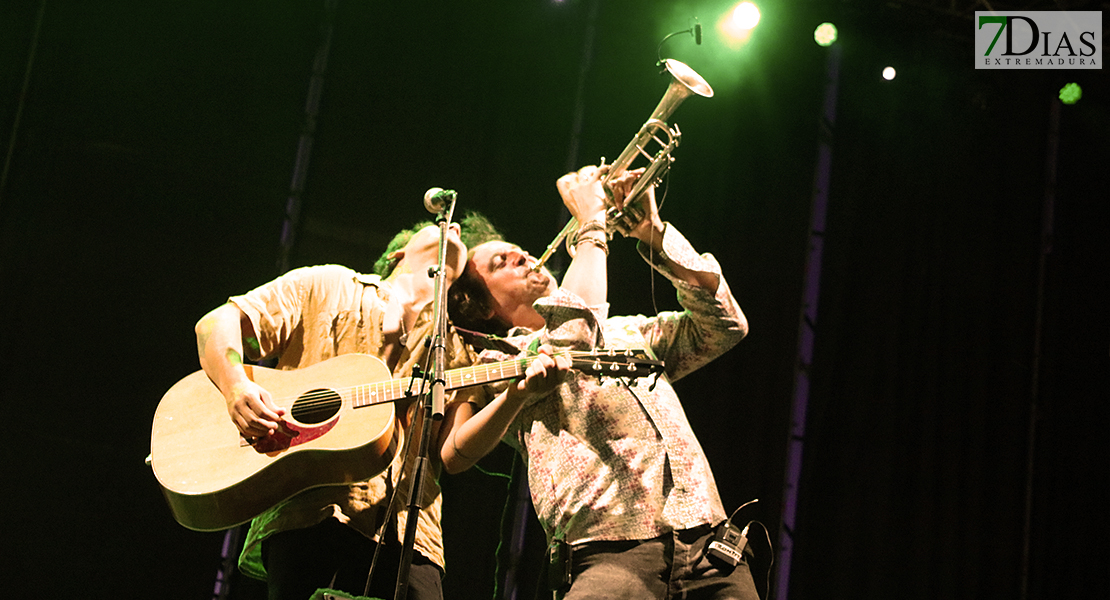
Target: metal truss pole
x=232, y=543
x=807, y=323
x=308, y=134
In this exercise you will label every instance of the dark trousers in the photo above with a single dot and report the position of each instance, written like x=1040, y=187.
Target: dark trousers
x=332, y=555
x=672, y=566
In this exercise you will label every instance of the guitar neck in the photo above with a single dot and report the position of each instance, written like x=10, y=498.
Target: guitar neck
x=395, y=389
x=604, y=363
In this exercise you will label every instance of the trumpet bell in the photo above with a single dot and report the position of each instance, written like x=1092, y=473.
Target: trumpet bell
x=688, y=78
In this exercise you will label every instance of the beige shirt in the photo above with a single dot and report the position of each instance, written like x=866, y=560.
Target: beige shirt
x=312, y=314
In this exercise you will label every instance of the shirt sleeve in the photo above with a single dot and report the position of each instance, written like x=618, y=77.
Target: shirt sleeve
x=570, y=323
x=710, y=323
x=275, y=309
x=508, y=348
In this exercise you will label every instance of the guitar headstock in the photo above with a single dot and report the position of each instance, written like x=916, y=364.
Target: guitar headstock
x=616, y=363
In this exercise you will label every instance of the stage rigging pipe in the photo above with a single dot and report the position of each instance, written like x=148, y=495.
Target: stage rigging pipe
x=233, y=537
x=807, y=325
x=22, y=100
x=1048, y=211
x=291, y=222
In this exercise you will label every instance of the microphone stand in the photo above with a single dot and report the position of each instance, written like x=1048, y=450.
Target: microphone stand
x=432, y=404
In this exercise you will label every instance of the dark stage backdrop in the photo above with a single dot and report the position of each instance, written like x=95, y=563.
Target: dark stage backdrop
x=956, y=437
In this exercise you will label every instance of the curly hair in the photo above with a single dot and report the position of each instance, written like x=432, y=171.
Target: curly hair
x=387, y=262
x=475, y=228
x=470, y=304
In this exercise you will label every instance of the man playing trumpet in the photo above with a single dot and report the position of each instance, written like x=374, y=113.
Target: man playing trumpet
x=616, y=474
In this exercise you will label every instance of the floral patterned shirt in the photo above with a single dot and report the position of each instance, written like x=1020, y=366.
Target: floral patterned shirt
x=612, y=459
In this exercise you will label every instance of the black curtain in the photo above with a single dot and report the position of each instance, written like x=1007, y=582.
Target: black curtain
x=942, y=458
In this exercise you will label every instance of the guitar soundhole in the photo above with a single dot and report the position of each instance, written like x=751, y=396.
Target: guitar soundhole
x=317, y=406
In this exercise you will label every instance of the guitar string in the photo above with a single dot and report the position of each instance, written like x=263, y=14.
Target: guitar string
x=347, y=397
x=315, y=399
x=327, y=395
x=324, y=397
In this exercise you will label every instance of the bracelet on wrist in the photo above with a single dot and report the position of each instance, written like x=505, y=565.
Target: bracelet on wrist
x=595, y=241
x=594, y=225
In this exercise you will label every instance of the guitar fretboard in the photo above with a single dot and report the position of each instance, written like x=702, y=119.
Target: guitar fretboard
x=395, y=389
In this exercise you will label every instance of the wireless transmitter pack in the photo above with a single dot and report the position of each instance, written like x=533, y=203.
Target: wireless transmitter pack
x=727, y=547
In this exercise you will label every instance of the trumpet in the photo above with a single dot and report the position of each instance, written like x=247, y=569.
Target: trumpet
x=685, y=82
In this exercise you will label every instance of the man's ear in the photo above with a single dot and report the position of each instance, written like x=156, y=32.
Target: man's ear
x=396, y=257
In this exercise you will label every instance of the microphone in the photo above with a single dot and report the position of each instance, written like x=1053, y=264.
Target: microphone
x=697, y=33
x=436, y=199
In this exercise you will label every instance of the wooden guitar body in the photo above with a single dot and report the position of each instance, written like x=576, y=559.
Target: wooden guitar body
x=213, y=478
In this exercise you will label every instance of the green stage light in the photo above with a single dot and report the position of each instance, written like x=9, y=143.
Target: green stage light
x=1071, y=93
x=825, y=34
x=746, y=15
x=738, y=23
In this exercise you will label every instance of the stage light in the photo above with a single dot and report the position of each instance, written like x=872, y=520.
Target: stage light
x=745, y=15
x=1071, y=93
x=825, y=34
x=889, y=73
x=738, y=23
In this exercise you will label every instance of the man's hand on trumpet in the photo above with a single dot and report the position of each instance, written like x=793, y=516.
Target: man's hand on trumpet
x=584, y=196
x=583, y=193
x=650, y=228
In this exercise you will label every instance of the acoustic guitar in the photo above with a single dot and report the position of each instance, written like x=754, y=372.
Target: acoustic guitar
x=340, y=427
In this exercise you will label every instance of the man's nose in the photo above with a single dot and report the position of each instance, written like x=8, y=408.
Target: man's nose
x=518, y=257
